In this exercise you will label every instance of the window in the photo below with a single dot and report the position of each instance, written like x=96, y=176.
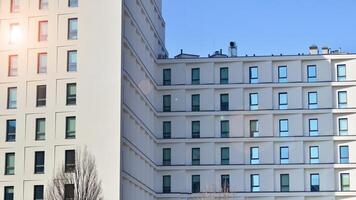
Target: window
x=42, y=31
x=224, y=102
x=225, y=183
x=195, y=183
x=43, y=4
x=343, y=126
x=167, y=129
x=341, y=72
x=13, y=65
x=313, y=127
x=69, y=165
x=282, y=74
x=254, y=156
x=70, y=127
x=345, y=181
x=284, y=182
x=314, y=154
x=342, y=99
x=195, y=129
x=72, y=61
x=12, y=98
x=72, y=3
x=9, y=163
x=166, y=76
x=253, y=74
x=195, y=76
x=283, y=100
x=195, y=102
x=224, y=128
x=314, y=183
x=166, y=156
x=255, y=183
x=166, y=184
x=224, y=75
x=39, y=162
x=195, y=156
x=15, y=33
x=225, y=154
x=68, y=191
x=312, y=100
x=253, y=101
x=284, y=155
x=344, y=154
x=72, y=28
x=254, y=128
x=11, y=130
x=41, y=96
x=38, y=192
x=71, y=94
x=311, y=73
x=15, y=6
x=166, y=103
x=9, y=193
x=42, y=63
x=40, y=129
x=283, y=127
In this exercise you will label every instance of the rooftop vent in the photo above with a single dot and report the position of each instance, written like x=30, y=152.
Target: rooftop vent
x=183, y=55
x=218, y=54
x=233, y=49
x=313, y=50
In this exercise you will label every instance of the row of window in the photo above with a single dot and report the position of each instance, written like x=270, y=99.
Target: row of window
x=255, y=155
x=42, y=5
x=255, y=183
x=253, y=74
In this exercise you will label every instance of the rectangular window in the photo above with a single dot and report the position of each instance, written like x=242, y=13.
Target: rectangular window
x=195, y=76
x=254, y=156
x=311, y=73
x=12, y=98
x=345, y=181
x=341, y=72
x=195, y=102
x=69, y=192
x=224, y=128
x=255, y=183
x=313, y=127
x=72, y=61
x=13, y=65
x=43, y=4
x=254, y=128
x=71, y=94
x=283, y=127
x=225, y=156
x=42, y=63
x=342, y=99
x=167, y=76
x=282, y=74
x=284, y=155
x=195, y=129
x=314, y=154
x=312, y=100
x=9, y=163
x=15, y=33
x=40, y=129
x=166, y=156
x=314, y=183
x=284, y=182
x=166, y=184
x=225, y=183
x=72, y=28
x=283, y=100
x=253, y=74
x=69, y=165
x=167, y=129
x=224, y=102
x=343, y=126
x=344, y=154
x=15, y=6
x=41, y=95
x=9, y=193
x=11, y=130
x=38, y=192
x=195, y=183
x=166, y=103
x=224, y=75
x=253, y=101
x=72, y=3
x=195, y=156
x=39, y=162
x=42, y=31
x=70, y=127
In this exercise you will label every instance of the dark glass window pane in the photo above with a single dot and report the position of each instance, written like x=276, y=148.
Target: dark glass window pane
x=9, y=193
x=69, y=160
x=225, y=183
x=71, y=94
x=40, y=129
x=224, y=75
x=195, y=76
x=166, y=76
x=166, y=103
x=195, y=102
x=225, y=128
x=39, y=162
x=195, y=129
x=72, y=29
x=12, y=98
x=314, y=182
x=72, y=61
x=41, y=95
x=72, y=3
x=195, y=183
x=254, y=128
x=11, y=130
x=284, y=155
x=224, y=102
x=167, y=129
x=225, y=156
x=38, y=192
x=70, y=127
x=345, y=181
x=253, y=101
x=284, y=182
x=166, y=184
x=69, y=192
x=166, y=156
x=9, y=163
x=195, y=156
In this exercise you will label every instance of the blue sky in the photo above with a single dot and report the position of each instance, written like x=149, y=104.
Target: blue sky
x=260, y=27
